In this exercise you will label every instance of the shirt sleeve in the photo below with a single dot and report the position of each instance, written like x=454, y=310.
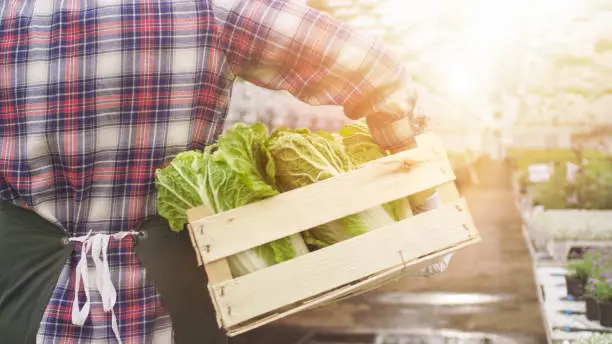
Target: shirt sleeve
x=282, y=45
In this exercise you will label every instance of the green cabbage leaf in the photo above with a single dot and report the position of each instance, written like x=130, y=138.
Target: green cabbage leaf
x=233, y=173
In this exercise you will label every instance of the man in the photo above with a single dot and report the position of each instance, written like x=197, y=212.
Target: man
x=95, y=95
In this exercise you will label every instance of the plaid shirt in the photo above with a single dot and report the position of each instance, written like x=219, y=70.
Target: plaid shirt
x=95, y=95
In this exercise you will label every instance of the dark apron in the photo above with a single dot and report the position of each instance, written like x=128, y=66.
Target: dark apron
x=33, y=252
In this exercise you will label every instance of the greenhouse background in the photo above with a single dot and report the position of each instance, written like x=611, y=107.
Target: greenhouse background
x=521, y=94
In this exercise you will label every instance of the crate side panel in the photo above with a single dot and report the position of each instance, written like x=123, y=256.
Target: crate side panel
x=404, y=243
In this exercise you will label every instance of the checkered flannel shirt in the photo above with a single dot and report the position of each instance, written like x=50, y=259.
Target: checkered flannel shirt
x=95, y=95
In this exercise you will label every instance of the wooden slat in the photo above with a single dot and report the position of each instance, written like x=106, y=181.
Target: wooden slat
x=231, y=232
x=350, y=290
x=263, y=291
x=196, y=213
x=218, y=271
x=195, y=245
x=378, y=182
x=393, y=274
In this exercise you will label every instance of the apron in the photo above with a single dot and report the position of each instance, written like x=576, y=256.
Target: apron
x=33, y=252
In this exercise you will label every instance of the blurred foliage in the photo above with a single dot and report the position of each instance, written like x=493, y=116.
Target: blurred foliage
x=522, y=158
x=592, y=188
x=580, y=269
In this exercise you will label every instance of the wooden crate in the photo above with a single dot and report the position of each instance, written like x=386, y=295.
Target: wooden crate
x=346, y=268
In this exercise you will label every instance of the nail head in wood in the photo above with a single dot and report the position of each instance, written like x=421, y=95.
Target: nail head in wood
x=435, y=150
x=403, y=260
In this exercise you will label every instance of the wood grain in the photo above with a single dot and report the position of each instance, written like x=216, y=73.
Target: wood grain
x=402, y=243
x=240, y=229
x=349, y=290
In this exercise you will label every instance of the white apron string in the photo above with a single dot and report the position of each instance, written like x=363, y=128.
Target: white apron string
x=98, y=245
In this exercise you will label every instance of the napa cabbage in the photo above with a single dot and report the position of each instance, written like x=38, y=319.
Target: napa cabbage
x=234, y=172
x=301, y=158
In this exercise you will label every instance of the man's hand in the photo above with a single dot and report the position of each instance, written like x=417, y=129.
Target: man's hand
x=396, y=135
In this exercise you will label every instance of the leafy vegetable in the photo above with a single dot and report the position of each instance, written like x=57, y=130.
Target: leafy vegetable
x=246, y=166
x=236, y=172
x=181, y=186
x=243, y=149
x=359, y=144
x=302, y=157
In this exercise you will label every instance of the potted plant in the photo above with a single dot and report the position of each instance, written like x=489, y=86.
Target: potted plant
x=603, y=291
x=590, y=298
x=593, y=259
x=577, y=277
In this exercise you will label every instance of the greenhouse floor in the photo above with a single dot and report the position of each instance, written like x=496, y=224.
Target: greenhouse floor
x=487, y=295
